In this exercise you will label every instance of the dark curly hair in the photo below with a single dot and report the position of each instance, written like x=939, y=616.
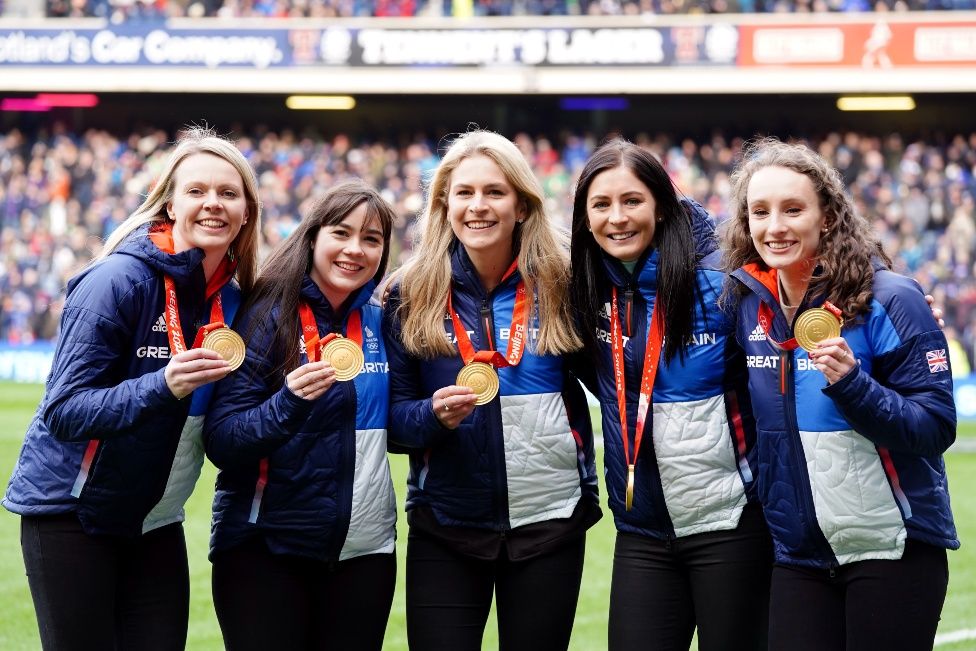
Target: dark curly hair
x=847, y=250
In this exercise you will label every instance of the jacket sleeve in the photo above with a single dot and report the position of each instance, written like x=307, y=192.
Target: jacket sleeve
x=248, y=418
x=85, y=398
x=905, y=404
x=412, y=423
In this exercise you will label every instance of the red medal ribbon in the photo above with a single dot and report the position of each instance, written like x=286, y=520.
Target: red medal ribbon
x=162, y=236
x=517, y=332
x=765, y=319
x=652, y=353
x=310, y=331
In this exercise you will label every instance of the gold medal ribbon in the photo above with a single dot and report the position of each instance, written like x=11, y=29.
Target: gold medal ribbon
x=162, y=236
x=352, y=342
x=517, y=332
x=652, y=354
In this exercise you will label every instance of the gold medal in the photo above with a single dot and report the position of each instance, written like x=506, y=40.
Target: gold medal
x=345, y=356
x=813, y=326
x=483, y=380
x=629, y=501
x=228, y=344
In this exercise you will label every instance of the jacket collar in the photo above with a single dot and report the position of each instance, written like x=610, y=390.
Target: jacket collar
x=313, y=296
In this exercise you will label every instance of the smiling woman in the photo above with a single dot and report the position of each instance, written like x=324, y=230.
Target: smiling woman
x=502, y=483
x=304, y=516
x=114, y=451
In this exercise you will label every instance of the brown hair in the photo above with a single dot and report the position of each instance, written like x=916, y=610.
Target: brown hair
x=847, y=250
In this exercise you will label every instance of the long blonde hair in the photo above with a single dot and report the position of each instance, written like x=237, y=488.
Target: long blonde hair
x=542, y=254
x=200, y=140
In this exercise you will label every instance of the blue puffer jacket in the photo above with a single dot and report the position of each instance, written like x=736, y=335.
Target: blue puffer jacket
x=847, y=471
x=311, y=477
x=525, y=457
x=697, y=458
x=106, y=395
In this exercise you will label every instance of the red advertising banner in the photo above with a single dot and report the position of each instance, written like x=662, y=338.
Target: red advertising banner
x=878, y=44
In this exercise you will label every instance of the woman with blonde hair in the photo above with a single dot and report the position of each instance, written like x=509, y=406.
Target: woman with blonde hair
x=852, y=395
x=114, y=449
x=502, y=483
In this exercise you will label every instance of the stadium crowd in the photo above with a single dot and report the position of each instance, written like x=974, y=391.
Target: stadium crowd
x=159, y=9
x=61, y=193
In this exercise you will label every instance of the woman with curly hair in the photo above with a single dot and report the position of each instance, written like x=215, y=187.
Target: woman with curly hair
x=852, y=396
x=502, y=483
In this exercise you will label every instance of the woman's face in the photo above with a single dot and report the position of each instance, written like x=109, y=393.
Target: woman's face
x=785, y=219
x=483, y=207
x=621, y=213
x=209, y=206
x=345, y=256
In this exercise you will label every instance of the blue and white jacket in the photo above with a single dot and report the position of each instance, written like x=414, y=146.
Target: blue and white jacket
x=309, y=476
x=109, y=440
x=848, y=471
x=525, y=457
x=695, y=470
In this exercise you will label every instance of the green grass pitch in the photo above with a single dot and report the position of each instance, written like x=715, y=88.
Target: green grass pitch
x=18, y=629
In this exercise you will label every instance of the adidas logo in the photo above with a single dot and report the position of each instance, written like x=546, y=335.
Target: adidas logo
x=160, y=325
x=757, y=334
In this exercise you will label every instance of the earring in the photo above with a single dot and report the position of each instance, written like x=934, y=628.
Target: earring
x=519, y=221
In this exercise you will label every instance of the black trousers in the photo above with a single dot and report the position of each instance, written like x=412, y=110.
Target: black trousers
x=717, y=581
x=289, y=603
x=106, y=592
x=449, y=597
x=891, y=605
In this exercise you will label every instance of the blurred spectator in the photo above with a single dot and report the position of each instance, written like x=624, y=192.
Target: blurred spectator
x=62, y=193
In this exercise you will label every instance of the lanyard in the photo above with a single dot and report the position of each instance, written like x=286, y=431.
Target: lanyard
x=652, y=353
x=517, y=333
x=765, y=319
x=310, y=331
x=162, y=237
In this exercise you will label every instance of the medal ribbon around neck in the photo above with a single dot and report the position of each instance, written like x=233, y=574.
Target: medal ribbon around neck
x=162, y=237
x=310, y=332
x=652, y=353
x=344, y=354
x=765, y=318
x=517, y=332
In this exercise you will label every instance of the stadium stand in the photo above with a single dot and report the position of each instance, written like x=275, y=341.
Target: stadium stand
x=156, y=9
x=62, y=192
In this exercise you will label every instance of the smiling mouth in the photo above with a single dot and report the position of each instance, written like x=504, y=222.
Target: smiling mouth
x=212, y=223
x=348, y=266
x=618, y=237
x=479, y=225
x=779, y=246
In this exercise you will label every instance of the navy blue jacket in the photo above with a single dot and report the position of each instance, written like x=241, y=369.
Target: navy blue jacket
x=310, y=477
x=696, y=468
x=847, y=471
x=526, y=457
x=107, y=386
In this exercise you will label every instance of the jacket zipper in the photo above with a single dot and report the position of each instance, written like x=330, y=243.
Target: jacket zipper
x=633, y=380
x=788, y=389
x=501, y=483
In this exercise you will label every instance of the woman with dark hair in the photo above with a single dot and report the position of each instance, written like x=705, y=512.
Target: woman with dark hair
x=303, y=535
x=114, y=449
x=502, y=484
x=852, y=392
x=692, y=549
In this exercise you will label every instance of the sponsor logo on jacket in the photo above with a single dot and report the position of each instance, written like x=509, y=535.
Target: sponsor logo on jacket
x=160, y=325
x=758, y=334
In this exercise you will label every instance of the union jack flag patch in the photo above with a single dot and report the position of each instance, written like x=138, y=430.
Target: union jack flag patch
x=937, y=360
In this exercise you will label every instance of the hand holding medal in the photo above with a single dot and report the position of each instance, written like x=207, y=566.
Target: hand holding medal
x=452, y=404
x=834, y=358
